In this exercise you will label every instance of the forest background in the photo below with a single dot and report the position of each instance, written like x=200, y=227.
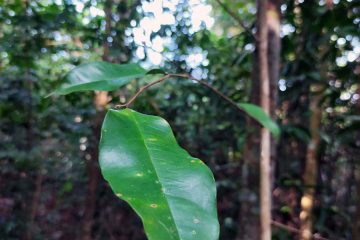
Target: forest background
x=50, y=184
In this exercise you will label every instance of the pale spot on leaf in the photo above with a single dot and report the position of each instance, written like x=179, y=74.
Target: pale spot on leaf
x=196, y=221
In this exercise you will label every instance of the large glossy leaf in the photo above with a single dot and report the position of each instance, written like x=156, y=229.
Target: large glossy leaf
x=259, y=115
x=99, y=76
x=172, y=192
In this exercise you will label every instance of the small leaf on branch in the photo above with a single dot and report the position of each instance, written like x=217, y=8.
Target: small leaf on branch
x=259, y=115
x=156, y=71
x=102, y=76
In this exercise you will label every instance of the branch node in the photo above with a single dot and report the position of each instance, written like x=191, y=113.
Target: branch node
x=121, y=106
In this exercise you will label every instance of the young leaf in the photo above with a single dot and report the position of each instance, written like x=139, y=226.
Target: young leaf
x=297, y=132
x=99, y=76
x=172, y=192
x=259, y=115
x=156, y=71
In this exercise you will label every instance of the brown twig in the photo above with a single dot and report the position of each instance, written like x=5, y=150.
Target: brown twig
x=294, y=230
x=34, y=206
x=184, y=76
x=142, y=89
x=155, y=51
x=236, y=18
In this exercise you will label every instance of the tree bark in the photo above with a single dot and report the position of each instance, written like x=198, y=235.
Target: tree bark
x=92, y=168
x=249, y=220
x=93, y=171
x=311, y=166
x=248, y=215
x=30, y=136
x=273, y=21
x=265, y=142
x=264, y=80
x=356, y=224
x=34, y=205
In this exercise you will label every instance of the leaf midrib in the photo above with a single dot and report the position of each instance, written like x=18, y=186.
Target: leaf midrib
x=155, y=170
x=69, y=88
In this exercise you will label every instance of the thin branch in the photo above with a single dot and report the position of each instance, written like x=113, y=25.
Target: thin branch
x=184, y=76
x=294, y=230
x=207, y=85
x=142, y=89
x=155, y=51
x=237, y=18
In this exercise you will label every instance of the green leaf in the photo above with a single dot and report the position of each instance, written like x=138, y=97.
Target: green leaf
x=172, y=192
x=156, y=71
x=99, y=76
x=297, y=132
x=259, y=115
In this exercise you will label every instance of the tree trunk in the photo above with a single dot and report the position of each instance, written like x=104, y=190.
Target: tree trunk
x=30, y=137
x=356, y=224
x=265, y=142
x=34, y=205
x=311, y=166
x=273, y=21
x=248, y=215
x=92, y=168
x=29, y=148
x=249, y=189
x=264, y=80
x=93, y=171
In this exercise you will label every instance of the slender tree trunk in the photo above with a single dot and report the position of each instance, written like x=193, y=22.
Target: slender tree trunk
x=273, y=21
x=356, y=224
x=248, y=215
x=265, y=141
x=311, y=166
x=92, y=168
x=30, y=138
x=93, y=171
x=29, y=148
x=264, y=79
x=108, y=22
x=34, y=205
x=249, y=221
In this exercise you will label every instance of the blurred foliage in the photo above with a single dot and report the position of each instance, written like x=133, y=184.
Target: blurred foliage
x=47, y=140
